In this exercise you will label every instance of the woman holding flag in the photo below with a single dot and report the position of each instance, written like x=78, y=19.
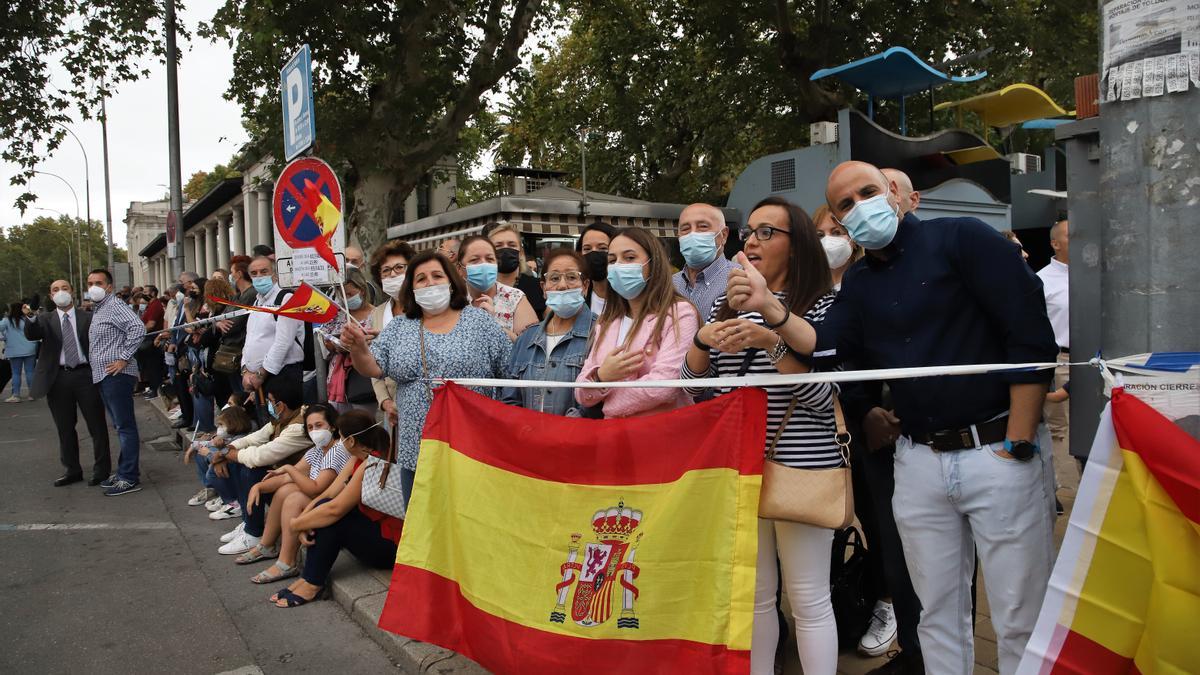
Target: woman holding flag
x=440, y=336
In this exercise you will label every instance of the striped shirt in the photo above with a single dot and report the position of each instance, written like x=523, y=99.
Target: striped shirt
x=808, y=441
x=320, y=460
x=115, y=335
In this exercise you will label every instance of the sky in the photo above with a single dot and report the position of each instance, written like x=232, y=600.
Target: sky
x=210, y=133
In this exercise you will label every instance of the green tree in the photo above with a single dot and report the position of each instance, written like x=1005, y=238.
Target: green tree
x=203, y=181
x=673, y=100
x=395, y=83
x=98, y=43
x=35, y=254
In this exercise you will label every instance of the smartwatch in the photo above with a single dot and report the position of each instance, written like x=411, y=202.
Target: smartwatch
x=1021, y=450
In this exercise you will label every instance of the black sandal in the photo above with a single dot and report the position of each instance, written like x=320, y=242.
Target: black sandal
x=293, y=600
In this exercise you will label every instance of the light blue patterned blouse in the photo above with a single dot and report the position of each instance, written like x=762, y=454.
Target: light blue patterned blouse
x=476, y=347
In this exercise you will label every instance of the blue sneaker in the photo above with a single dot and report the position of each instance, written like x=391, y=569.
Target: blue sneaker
x=109, y=482
x=122, y=487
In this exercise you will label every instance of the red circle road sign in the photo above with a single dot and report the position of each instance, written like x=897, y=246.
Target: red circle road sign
x=298, y=194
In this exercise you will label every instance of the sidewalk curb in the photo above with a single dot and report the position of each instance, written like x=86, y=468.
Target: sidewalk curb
x=361, y=592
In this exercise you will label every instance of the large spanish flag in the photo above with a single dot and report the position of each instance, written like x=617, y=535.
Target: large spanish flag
x=544, y=544
x=1125, y=593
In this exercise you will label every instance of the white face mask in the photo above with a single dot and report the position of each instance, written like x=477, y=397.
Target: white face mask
x=62, y=299
x=320, y=437
x=222, y=432
x=837, y=250
x=433, y=299
x=96, y=293
x=392, y=285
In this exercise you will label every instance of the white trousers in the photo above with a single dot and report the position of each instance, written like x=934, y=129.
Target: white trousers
x=803, y=553
x=947, y=506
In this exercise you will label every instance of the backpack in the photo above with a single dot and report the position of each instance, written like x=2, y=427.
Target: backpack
x=852, y=588
x=310, y=354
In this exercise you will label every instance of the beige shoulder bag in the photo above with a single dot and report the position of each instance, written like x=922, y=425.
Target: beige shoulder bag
x=820, y=497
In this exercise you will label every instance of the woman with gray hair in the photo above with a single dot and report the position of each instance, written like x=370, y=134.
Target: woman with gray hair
x=346, y=388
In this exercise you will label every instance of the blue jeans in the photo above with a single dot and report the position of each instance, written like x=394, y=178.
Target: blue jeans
x=202, y=408
x=22, y=364
x=226, y=487
x=117, y=392
x=243, y=478
x=407, y=478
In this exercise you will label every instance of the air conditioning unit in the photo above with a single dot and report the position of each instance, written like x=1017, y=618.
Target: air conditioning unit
x=1023, y=162
x=821, y=133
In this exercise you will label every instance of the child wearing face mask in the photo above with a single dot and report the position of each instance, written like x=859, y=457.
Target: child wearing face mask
x=215, y=493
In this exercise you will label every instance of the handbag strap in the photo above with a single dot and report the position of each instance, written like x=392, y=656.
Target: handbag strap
x=839, y=419
x=424, y=364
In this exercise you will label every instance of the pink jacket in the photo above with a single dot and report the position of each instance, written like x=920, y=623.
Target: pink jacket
x=661, y=364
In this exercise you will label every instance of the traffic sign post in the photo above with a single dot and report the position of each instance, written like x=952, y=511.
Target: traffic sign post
x=299, y=118
x=172, y=232
x=307, y=198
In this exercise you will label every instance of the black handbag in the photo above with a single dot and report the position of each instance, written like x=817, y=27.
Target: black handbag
x=852, y=588
x=359, y=388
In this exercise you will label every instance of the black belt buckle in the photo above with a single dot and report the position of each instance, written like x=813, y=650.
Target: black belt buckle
x=949, y=440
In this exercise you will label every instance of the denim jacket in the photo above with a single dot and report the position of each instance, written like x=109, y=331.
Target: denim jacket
x=528, y=362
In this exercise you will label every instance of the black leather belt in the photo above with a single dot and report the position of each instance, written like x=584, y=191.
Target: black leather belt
x=950, y=440
x=1064, y=350
x=70, y=369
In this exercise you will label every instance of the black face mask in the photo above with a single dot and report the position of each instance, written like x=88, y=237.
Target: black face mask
x=193, y=294
x=597, y=263
x=507, y=260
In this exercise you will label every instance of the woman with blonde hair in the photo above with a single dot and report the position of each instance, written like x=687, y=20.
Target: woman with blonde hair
x=840, y=250
x=643, y=333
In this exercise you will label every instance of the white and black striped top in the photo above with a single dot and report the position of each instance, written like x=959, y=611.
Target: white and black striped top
x=808, y=440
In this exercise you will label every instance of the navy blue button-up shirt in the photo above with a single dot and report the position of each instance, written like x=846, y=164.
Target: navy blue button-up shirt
x=947, y=291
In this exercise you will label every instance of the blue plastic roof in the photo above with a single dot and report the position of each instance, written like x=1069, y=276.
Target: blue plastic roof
x=1044, y=123
x=894, y=73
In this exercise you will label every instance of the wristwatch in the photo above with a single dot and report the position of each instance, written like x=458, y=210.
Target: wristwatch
x=1021, y=450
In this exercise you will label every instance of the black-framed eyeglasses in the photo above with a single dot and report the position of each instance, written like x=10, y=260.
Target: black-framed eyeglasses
x=762, y=232
x=398, y=268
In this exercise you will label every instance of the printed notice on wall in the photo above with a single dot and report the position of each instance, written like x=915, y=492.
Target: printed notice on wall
x=1175, y=395
x=1142, y=39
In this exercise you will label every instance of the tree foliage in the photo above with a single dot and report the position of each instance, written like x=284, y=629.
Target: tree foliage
x=203, y=181
x=672, y=100
x=96, y=44
x=395, y=83
x=36, y=254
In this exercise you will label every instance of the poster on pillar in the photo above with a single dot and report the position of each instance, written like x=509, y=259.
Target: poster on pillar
x=310, y=240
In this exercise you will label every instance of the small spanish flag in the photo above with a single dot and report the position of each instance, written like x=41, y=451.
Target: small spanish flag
x=1125, y=593
x=327, y=216
x=306, y=304
x=544, y=544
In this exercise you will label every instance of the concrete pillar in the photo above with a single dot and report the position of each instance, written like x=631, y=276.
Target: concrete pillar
x=250, y=211
x=187, y=244
x=265, y=226
x=238, y=231
x=223, y=240
x=210, y=247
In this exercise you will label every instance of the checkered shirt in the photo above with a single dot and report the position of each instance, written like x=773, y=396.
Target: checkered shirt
x=115, y=335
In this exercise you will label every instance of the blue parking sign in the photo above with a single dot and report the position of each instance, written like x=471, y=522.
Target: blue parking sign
x=299, y=123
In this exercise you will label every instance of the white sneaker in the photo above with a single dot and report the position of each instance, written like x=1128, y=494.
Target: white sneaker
x=12, y=399
x=880, y=632
x=239, y=544
x=202, y=496
x=214, y=504
x=226, y=512
x=228, y=536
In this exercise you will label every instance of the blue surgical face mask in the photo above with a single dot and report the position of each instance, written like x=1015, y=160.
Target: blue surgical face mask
x=481, y=276
x=565, y=304
x=354, y=302
x=626, y=279
x=872, y=222
x=263, y=284
x=271, y=409
x=699, y=249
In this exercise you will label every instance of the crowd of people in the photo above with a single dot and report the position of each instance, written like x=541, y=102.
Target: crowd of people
x=945, y=469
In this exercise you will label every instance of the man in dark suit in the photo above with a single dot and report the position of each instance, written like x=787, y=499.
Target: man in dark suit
x=64, y=377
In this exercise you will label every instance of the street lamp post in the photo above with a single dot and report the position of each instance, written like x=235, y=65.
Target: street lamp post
x=87, y=193
x=76, y=196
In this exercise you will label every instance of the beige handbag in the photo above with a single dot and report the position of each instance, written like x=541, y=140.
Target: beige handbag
x=820, y=497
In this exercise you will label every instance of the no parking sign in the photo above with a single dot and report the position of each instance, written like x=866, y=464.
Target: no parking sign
x=309, y=238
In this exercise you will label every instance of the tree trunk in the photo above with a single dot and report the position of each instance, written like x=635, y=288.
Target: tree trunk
x=376, y=195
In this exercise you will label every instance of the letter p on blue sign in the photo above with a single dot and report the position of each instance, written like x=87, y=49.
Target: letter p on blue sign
x=299, y=125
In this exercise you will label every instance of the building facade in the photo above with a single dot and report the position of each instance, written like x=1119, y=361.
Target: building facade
x=144, y=221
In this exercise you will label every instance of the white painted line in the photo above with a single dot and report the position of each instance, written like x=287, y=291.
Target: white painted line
x=244, y=670
x=42, y=527
x=19, y=440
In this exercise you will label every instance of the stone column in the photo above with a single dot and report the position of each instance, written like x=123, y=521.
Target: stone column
x=238, y=231
x=265, y=226
x=223, y=240
x=250, y=211
x=196, y=264
x=210, y=247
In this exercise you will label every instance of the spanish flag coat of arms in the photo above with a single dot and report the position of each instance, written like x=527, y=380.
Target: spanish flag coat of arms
x=542, y=544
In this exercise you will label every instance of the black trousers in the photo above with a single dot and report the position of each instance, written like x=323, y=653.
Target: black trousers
x=183, y=395
x=5, y=373
x=73, y=389
x=354, y=532
x=877, y=473
x=150, y=364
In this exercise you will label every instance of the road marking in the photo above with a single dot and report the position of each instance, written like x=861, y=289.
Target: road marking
x=244, y=670
x=19, y=440
x=41, y=527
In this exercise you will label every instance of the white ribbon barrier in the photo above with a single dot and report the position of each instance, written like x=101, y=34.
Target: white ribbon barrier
x=833, y=376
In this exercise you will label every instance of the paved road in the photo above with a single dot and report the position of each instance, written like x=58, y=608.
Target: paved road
x=133, y=584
